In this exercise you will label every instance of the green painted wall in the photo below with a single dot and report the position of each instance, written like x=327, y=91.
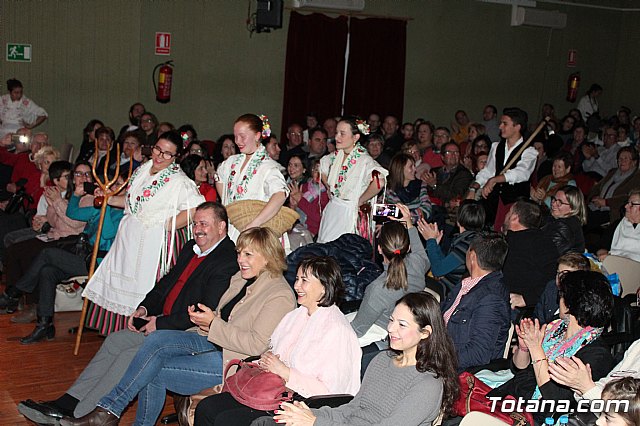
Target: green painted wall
x=93, y=58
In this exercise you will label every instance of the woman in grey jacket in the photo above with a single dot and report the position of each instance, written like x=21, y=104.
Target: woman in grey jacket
x=405, y=265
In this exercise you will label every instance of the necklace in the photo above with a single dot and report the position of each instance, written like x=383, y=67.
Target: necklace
x=150, y=190
x=351, y=160
x=235, y=191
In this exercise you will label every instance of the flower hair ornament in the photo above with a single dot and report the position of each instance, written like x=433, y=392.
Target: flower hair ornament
x=363, y=127
x=266, y=126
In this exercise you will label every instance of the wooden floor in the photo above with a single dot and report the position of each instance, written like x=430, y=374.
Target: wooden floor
x=43, y=371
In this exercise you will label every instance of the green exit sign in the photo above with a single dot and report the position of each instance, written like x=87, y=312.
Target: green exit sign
x=18, y=52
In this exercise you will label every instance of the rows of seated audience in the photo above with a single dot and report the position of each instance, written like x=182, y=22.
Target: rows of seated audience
x=487, y=255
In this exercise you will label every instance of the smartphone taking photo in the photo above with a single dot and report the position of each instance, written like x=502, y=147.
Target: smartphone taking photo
x=386, y=210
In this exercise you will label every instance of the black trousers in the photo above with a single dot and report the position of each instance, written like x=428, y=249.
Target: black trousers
x=223, y=410
x=50, y=267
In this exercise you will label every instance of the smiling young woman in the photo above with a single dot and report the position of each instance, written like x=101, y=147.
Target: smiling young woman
x=252, y=174
x=348, y=175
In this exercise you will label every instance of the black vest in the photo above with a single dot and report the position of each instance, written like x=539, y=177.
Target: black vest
x=509, y=193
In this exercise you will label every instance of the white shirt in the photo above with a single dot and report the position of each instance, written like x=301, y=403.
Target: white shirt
x=587, y=106
x=626, y=240
x=13, y=114
x=198, y=251
x=607, y=160
x=522, y=171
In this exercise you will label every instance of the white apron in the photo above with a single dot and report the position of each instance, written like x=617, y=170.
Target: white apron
x=128, y=272
x=141, y=252
x=338, y=218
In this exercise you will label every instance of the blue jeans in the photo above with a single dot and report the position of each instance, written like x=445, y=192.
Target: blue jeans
x=165, y=362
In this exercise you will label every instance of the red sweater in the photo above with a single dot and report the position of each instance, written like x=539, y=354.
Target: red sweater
x=23, y=167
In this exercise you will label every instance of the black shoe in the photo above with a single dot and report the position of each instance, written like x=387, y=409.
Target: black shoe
x=44, y=330
x=8, y=304
x=44, y=413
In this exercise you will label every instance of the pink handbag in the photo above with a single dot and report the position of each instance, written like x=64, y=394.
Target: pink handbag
x=254, y=387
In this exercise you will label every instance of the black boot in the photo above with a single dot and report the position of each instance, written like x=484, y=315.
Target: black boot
x=44, y=330
x=9, y=300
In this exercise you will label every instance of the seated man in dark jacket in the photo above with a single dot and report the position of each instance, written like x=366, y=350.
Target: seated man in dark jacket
x=477, y=310
x=201, y=275
x=532, y=257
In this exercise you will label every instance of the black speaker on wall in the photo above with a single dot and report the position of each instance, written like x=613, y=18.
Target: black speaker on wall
x=268, y=15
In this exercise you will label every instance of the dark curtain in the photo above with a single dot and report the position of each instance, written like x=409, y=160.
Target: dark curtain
x=314, y=69
x=375, y=76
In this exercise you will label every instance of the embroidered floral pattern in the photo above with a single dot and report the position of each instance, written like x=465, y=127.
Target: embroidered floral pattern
x=235, y=191
x=150, y=190
x=351, y=161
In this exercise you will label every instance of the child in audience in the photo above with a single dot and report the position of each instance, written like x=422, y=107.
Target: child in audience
x=625, y=389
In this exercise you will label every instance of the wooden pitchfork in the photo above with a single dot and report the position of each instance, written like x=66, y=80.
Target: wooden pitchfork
x=105, y=185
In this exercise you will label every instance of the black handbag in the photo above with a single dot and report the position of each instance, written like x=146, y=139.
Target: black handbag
x=76, y=244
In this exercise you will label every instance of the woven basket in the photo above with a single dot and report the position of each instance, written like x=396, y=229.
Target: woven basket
x=241, y=213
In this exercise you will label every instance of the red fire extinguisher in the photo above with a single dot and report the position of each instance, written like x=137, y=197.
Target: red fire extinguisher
x=572, y=87
x=163, y=88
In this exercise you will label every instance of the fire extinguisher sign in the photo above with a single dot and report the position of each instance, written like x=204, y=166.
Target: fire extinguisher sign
x=572, y=58
x=163, y=43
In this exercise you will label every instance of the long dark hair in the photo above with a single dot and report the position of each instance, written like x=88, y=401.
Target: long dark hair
x=396, y=171
x=436, y=353
x=189, y=164
x=89, y=128
x=394, y=244
x=70, y=185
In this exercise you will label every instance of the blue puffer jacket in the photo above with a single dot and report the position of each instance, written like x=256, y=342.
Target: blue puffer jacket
x=352, y=252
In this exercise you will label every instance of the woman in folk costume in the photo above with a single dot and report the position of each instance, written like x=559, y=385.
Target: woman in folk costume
x=252, y=174
x=159, y=201
x=352, y=178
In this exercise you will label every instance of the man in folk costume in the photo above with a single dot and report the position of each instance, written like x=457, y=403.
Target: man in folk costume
x=500, y=190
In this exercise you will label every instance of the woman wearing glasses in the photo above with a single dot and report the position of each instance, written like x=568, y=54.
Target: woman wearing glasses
x=158, y=202
x=568, y=214
x=559, y=177
x=149, y=125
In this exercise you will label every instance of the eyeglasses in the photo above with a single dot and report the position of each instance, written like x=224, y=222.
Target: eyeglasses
x=451, y=152
x=557, y=200
x=196, y=151
x=81, y=174
x=295, y=133
x=148, y=120
x=632, y=203
x=164, y=154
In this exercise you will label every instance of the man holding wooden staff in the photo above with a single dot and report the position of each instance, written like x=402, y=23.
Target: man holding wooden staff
x=506, y=175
